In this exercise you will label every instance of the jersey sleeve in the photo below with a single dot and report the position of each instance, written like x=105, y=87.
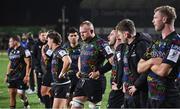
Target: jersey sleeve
x=27, y=53
x=49, y=52
x=106, y=50
x=141, y=49
x=172, y=56
x=62, y=53
x=147, y=54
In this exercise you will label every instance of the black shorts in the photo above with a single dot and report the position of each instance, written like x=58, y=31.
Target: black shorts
x=90, y=88
x=172, y=101
x=116, y=99
x=74, y=81
x=19, y=84
x=61, y=91
x=132, y=101
x=151, y=103
x=47, y=79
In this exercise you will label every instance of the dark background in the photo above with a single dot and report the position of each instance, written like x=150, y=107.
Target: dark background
x=101, y=12
x=18, y=16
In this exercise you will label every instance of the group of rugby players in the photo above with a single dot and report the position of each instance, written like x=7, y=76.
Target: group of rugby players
x=144, y=72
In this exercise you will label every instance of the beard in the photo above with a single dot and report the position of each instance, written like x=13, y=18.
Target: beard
x=112, y=43
x=160, y=27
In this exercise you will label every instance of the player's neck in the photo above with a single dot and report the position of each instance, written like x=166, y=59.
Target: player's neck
x=167, y=30
x=54, y=46
x=16, y=46
x=73, y=44
x=130, y=40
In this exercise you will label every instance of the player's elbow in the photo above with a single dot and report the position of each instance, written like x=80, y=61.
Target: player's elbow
x=140, y=69
x=162, y=73
x=69, y=62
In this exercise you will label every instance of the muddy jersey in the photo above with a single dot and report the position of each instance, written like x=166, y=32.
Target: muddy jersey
x=46, y=63
x=74, y=55
x=18, y=65
x=93, y=54
x=57, y=64
x=169, y=50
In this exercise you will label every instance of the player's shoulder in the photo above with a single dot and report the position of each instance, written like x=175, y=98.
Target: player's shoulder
x=176, y=39
x=100, y=40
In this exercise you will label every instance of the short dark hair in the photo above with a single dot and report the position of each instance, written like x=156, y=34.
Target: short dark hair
x=28, y=35
x=168, y=11
x=42, y=31
x=72, y=30
x=57, y=39
x=126, y=25
x=16, y=38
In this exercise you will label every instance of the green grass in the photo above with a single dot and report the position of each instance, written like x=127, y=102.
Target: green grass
x=33, y=99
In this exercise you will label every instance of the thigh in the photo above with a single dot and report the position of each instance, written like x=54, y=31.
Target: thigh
x=22, y=85
x=12, y=92
x=62, y=91
x=93, y=90
x=47, y=79
x=79, y=90
x=55, y=103
x=116, y=99
x=74, y=81
x=12, y=84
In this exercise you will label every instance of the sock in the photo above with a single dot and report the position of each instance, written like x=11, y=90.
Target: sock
x=26, y=103
x=51, y=100
x=12, y=107
x=46, y=100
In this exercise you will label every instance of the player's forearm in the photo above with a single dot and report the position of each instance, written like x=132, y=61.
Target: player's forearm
x=28, y=69
x=79, y=64
x=66, y=66
x=143, y=66
x=161, y=69
x=8, y=67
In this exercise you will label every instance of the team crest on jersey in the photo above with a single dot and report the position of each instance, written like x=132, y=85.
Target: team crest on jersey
x=62, y=52
x=18, y=52
x=108, y=50
x=27, y=53
x=118, y=56
x=133, y=54
x=174, y=53
x=49, y=52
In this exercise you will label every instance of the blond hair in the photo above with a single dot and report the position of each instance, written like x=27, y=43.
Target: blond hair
x=168, y=11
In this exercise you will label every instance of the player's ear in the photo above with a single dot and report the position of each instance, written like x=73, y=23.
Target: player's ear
x=164, y=19
x=91, y=31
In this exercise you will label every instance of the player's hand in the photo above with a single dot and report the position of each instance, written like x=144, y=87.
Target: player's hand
x=26, y=79
x=5, y=79
x=61, y=75
x=124, y=89
x=132, y=90
x=156, y=61
x=114, y=86
x=94, y=75
x=78, y=75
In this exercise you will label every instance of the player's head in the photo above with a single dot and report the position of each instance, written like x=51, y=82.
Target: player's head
x=43, y=35
x=86, y=30
x=126, y=29
x=73, y=36
x=163, y=15
x=14, y=41
x=112, y=37
x=26, y=36
x=54, y=38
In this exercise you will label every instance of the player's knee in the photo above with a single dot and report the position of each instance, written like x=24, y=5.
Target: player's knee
x=77, y=103
x=94, y=106
x=43, y=91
